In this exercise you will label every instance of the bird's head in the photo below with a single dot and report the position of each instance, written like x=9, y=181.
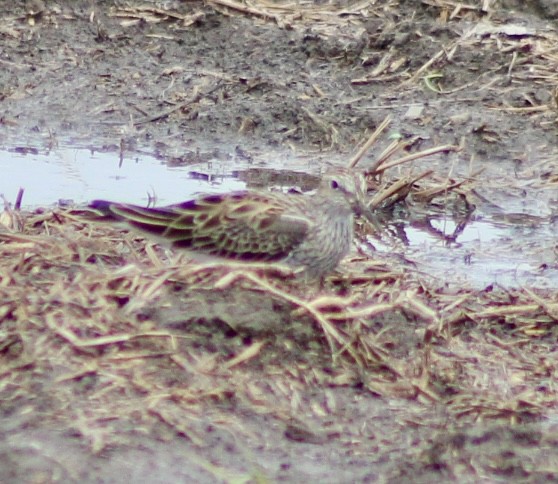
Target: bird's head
x=350, y=183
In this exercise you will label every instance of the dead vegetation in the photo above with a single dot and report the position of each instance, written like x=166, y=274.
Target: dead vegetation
x=96, y=314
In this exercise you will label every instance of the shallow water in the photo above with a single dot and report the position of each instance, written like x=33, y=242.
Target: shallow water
x=488, y=252
x=78, y=175
x=482, y=252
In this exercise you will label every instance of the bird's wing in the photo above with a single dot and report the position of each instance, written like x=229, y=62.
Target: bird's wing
x=244, y=225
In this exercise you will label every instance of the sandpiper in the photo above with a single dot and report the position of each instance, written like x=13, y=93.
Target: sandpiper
x=308, y=232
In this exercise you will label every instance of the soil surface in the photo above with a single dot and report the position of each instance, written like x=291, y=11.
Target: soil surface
x=269, y=84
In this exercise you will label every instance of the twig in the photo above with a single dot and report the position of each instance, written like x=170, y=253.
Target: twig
x=375, y=135
x=242, y=8
x=420, y=154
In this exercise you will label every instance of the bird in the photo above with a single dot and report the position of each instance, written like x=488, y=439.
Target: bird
x=310, y=233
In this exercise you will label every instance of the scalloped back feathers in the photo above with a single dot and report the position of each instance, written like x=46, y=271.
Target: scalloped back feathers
x=313, y=231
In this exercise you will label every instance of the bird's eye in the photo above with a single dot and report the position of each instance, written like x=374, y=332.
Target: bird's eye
x=334, y=184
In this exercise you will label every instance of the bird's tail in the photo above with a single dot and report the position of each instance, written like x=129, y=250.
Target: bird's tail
x=158, y=222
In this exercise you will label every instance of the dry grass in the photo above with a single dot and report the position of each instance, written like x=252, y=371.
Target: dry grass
x=88, y=312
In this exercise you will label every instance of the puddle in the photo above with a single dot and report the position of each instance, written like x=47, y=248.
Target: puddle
x=80, y=175
x=481, y=252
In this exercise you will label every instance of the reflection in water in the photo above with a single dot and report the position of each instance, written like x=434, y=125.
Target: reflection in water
x=475, y=251
x=81, y=175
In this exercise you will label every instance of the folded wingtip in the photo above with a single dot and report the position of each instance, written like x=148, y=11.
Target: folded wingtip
x=102, y=210
x=101, y=205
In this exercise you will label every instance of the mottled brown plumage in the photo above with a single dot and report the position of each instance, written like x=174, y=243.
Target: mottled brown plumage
x=309, y=231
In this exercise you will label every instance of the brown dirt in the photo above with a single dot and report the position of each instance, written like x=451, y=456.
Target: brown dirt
x=120, y=364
